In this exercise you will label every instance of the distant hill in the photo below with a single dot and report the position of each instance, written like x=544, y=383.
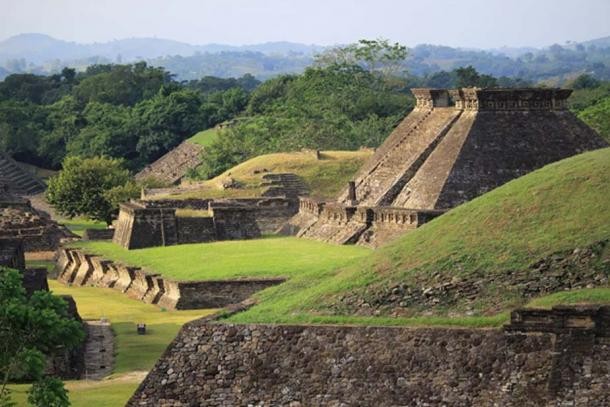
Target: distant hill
x=41, y=54
x=603, y=42
x=41, y=49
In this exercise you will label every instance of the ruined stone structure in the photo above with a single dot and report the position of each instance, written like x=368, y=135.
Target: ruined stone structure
x=78, y=268
x=174, y=165
x=543, y=358
x=155, y=223
x=18, y=180
x=454, y=146
x=19, y=220
x=286, y=185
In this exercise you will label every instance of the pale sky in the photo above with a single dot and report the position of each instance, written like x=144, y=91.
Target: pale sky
x=464, y=23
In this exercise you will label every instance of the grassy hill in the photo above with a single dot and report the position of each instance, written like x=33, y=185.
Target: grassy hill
x=325, y=177
x=205, y=138
x=487, y=244
x=598, y=117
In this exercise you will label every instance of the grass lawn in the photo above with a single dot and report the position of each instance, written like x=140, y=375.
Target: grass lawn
x=78, y=225
x=133, y=351
x=205, y=138
x=268, y=257
x=106, y=393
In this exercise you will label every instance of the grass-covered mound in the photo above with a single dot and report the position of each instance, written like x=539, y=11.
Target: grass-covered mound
x=324, y=177
x=205, y=138
x=269, y=257
x=483, y=244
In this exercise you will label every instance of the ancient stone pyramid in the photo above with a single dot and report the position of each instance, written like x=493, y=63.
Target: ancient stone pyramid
x=454, y=146
x=174, y=165
x=18, y=180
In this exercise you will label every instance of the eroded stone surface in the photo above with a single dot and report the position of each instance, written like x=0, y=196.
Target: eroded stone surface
x=274, y=365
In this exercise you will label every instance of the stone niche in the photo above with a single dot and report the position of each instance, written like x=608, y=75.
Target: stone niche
x=510, y=99
x=428, y=98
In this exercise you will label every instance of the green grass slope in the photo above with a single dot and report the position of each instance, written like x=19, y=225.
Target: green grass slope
x=205, y=138
x=324, y=177
x=598, y=117
x=559, y=207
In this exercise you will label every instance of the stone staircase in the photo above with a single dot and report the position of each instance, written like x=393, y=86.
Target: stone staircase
x=99, y=350
x=19, y=181
x=284, y=184
x=405, y=156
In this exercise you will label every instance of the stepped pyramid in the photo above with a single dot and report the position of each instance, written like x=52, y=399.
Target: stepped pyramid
x=454, y=146
x=174, y=165
x=18, y=180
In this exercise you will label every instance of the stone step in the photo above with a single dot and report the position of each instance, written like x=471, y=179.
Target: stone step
x=99, y=350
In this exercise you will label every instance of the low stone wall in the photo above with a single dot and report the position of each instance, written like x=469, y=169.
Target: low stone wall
x=334, y=222
x=273, y=365
x=191, y=203
x=98, y=234
x=76, y=267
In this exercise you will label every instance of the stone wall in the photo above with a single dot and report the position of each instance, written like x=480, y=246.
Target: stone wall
x=577, y=268
x=334, y=222
x=38, y=232
x=98, y=234
x=78, y=268
x=195, y=229
x=274, y=365
x=138, y=227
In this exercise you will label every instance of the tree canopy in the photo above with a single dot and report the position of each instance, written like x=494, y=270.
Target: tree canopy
x=32, y=329
x=81, y=188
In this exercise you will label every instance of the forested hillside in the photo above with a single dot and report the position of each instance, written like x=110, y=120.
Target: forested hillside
x=351, y=98
x=135, y=112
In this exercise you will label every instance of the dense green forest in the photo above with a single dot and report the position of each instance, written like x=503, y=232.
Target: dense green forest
x=135, y=112
x=351, y=97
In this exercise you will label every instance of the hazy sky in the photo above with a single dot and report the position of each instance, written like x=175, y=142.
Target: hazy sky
x=466, y=23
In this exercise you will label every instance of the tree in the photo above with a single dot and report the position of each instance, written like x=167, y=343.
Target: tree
x=468, y=77
x=165, y=120
x=32, y=329
x=585, y=81
x=80, y=188
x=373, y=55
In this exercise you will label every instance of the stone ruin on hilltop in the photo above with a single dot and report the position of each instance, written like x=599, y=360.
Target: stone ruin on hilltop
x=454, y=146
